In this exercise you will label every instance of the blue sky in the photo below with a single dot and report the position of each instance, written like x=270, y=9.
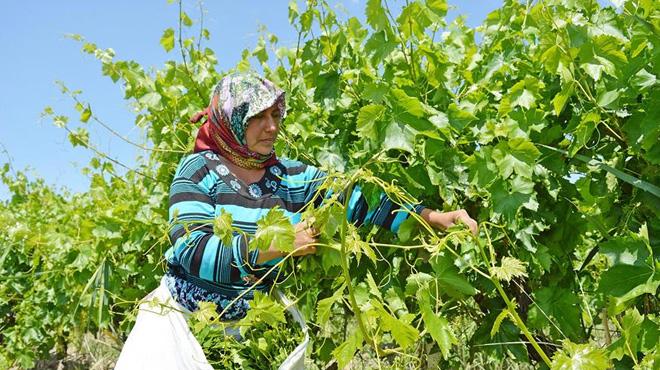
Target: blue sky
x=36, y=53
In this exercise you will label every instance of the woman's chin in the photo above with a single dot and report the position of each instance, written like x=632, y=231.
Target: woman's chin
x=263, y=149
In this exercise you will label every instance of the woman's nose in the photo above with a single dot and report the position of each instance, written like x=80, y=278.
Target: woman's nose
x=271, y=123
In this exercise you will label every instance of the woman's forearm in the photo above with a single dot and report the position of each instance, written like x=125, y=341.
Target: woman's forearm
x=438, y=219
x=268, y=255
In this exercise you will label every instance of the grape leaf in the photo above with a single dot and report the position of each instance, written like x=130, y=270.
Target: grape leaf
x=579, y=356
x=509, y=268
x=222, y=227
x=437, y=325
x=367, y=117
x=274, y=229
x=345, y=351
x=167, y=40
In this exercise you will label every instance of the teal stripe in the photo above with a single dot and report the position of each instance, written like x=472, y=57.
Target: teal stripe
x=208, y=259
x=169, y=255
x=238, y=258
x=355, y=198
x=401, y=215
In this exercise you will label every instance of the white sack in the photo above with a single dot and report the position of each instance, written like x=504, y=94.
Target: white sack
x=161, y=338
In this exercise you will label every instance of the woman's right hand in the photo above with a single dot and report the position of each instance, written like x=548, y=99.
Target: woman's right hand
x=306, y=236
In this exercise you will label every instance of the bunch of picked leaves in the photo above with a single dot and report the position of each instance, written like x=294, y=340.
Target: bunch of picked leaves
x=267, y=335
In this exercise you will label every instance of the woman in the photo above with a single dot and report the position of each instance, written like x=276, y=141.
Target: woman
x=234, y=169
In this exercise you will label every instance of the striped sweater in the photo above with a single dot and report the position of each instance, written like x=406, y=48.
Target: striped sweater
x=203, y=186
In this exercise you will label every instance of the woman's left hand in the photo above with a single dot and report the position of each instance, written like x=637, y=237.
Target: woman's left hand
x=444, y=220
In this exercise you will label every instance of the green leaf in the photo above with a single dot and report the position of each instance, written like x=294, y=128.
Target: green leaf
x=328, y=219
x=185, y=19
x=482, y=170
x=625, y=250
x=634, y=181
x=151, y=100
x=85, y=114
x=448, y=278
x=440, y=121
x=376, y=16
x=559, y=101
x=399, y=136
x=583, y=132
x=263, y=309
x=644, y=80
x=330, y=258
x=436, y=325
x=438, y=7
x=509, y=268
x=413, y=20
x=409, y=104
x=620, y=279
x=650, y=333
x=556, y=307
x=517, y=155
x=618, y=304
x=402, y=332
x=167, y=40
x=506, y=340
x=373, y=286
x=498, y=321
x=274, y=229
x=417, y=281
x=522, y=94
x=206, y=311
x=79, y=137
x=324, y=306
x=223, y=228
x=328, y=86
x=551, y=58
x=506, y=202
x=261, y=53
x=345, y=351
x=306, y=19
x=459, y=117
x=631, y=325
x=593, y=69
x=367, y=117
x=579, y=356
x=60, y=121
x=407, y=229
x=293, y=11
x=607, y=97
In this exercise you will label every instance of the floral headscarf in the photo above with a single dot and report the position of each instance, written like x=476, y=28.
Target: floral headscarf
x=236, y=99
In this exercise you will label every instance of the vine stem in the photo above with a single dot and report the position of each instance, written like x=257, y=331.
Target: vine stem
x=512, y=308
x=344, y=266
x=521, y=325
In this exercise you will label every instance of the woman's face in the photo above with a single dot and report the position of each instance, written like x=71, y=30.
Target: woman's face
x=262, y=129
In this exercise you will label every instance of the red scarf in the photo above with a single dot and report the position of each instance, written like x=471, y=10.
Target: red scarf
x=217, y=136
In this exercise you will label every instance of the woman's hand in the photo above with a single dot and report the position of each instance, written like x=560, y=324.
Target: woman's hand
x=305, y=237
x=443, y=220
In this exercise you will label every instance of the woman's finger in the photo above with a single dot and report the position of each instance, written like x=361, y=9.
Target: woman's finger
x=311, y=231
